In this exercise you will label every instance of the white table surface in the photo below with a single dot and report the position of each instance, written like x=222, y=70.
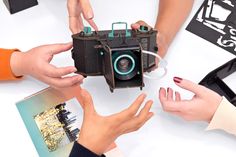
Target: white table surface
x=164, y=135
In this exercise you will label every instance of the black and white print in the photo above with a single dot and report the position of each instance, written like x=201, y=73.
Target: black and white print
x=215, y=21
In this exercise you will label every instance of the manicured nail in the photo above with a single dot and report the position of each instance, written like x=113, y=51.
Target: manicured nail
x=177, y=79
x=160, y=89
x=168, y=89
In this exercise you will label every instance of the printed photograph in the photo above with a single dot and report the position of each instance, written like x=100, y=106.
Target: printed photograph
x=58, y=126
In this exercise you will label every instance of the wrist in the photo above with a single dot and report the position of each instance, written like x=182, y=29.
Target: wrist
x=217, y=102
x=92, y=146
x=162, y=43
x=16, y=63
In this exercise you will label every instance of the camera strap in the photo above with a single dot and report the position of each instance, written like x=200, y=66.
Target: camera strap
x=161, y=71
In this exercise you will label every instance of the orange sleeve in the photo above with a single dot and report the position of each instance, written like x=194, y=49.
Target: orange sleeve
x=5, y=67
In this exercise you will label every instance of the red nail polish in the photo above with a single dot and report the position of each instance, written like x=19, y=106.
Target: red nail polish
x=177, y=79
x=168, y=89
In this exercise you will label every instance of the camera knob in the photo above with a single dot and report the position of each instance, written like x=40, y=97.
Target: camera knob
x=143, y=29
x=87, y=31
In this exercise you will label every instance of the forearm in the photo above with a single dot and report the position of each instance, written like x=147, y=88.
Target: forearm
x=171, y=16
x=6, y=70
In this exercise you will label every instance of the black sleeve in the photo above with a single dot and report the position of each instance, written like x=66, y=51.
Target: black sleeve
x=80, y=151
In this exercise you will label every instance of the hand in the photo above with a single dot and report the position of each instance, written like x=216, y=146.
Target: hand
x=36, y=62
x=161, y=42
x=201, y=107
x=75, y=9
x=99, y=132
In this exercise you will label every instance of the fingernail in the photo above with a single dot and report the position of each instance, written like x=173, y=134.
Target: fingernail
x=177, y=79
x=151, y=102
x=151, y=114
x=81, y=77
x=160, y=88
x=73, y=70
x=143, y=95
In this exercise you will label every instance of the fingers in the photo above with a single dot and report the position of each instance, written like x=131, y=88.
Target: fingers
x=75, y=8
x=58, y=48
x=169, y=94
x=72, y=6
x=88, y=13
x=75, y=20
x=76, y=24
x=62, y=82
x=86, y=9
x=135, y=26
x=52, y=71
x=138, y=121
x=144, y=113
x=177, y=96
x=133, y=109
x=92, y=24
x=167, y=101
x=162, y=95
x=87, y=102
x=138, y=24
x=190, y=86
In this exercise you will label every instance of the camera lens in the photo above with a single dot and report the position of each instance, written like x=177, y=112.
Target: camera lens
x=125, y=65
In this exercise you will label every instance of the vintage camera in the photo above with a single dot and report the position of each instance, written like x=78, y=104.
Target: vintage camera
x=116, y=54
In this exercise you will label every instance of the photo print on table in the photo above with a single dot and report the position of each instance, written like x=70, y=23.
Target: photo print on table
x=57, y=126
x=215, y=21
x=53, y=119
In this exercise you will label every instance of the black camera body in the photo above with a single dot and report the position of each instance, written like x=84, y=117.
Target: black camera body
x=116, y=54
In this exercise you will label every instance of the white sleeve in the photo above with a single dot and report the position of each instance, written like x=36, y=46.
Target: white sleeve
x=224, y=118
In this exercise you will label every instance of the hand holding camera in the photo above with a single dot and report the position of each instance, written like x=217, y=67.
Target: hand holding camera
x=36, y=62
x=77, y=9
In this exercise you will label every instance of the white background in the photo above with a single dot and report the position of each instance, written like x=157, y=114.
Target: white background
x=164, y=135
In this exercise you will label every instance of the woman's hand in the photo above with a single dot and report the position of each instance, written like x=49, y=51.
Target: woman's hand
x=160, y=39
x=99, y=132
x=36, y=62
x=77, y=8
x=201, y=107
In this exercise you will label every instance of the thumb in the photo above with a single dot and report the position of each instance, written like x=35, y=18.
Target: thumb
x=190, y=86
x=87, y=102
x=138, y=24
x=58, y=48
